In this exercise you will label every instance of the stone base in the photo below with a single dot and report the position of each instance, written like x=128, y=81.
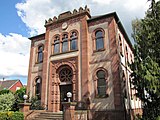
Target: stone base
x=24, y=107
x=69, y=110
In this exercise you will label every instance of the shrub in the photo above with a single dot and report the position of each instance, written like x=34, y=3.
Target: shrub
x=17, y=116
x=11, y=115
x=4, y=116
x=36, y=104
x=6, y=101
x=18, y=98
x=4, y=91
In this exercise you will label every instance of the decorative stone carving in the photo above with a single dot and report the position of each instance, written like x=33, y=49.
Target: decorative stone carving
x=66, y=15
x=74, y=11
x=80, y=9
x=54, y=18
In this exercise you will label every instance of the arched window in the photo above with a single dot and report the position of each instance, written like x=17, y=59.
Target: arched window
x=38, y=88
x=120, y=45
x=56, y=44
x=40, y=54
x=65, y=43
x=73, y=43
x=101, y=83
x=99, y=40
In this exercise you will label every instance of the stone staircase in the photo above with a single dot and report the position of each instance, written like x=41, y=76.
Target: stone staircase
x=49, y=116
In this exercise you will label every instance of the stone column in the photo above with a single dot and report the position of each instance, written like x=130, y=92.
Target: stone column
x=24, y=107
x=69, y=110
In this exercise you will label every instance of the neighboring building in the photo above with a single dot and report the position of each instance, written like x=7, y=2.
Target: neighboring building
x=12, y=85
x=87, y=56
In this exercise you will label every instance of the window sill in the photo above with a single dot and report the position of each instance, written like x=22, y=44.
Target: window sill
x=54, y=54
x=101, y=97
x=103, y=49
x=39, y=62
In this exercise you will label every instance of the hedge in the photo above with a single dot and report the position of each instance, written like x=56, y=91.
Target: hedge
x=11, y=115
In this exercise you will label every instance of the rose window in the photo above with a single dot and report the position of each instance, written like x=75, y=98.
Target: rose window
x=65, y=75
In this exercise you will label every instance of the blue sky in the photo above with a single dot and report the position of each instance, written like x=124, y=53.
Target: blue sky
x=21, y=19
x=10, y=21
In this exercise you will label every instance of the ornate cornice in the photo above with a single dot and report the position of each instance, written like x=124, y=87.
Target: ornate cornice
x=67, y=15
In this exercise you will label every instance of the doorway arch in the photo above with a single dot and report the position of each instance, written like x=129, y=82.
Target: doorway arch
x=65, y=74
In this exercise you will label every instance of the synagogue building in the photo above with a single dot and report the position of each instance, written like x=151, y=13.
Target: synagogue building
x=88, y=56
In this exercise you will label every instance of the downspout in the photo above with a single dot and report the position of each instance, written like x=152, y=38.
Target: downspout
x=80, y=81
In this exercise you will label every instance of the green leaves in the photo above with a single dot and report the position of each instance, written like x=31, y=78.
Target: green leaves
x=146, y=66
x=6, y=101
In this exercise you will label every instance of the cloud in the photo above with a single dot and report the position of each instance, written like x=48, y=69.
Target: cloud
x=34, y=12
x=14, y=52
x=106, y=2
x=14, y=48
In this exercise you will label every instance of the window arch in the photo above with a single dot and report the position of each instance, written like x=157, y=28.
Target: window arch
x=38, y=86
x=120, y=45
x=99, y=39
x=56, y=44
x=73, y=40
x=101, y=85
x=65, y=43
x=40, y=54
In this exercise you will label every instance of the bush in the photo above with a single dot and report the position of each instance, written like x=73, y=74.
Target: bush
x=17, y=116
x=5, y=91
x=4, y=116
x=36, y=104
x=11, y=115
x=18, y=98
x=6, y=101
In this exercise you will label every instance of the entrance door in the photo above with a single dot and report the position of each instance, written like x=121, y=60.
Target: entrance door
x=63, y=94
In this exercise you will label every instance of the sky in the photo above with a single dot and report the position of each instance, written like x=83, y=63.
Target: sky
x=21, y=19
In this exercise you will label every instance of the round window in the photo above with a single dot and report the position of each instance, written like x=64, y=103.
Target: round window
x=65, y=74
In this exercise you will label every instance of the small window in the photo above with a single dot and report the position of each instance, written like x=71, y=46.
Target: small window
x=101, y=83
x=65, y=43
x=40, y=54
x=99, y=40
x=73, y=43
x=56, y=45
x=17, y=88
x=38, y=88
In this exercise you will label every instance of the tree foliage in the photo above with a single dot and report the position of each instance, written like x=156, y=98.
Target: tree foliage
x=18, y=98
x=4, y=91
x=146, y=66
x=36, y=104
x=6, y=101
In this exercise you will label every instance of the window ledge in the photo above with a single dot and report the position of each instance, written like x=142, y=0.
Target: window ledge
x=54, y=54
x=39, y=62
x=102, y=97
x=99, y=50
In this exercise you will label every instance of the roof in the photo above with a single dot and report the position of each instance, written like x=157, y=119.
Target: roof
x=7, y=84
x=40, y=35
x=113, y=14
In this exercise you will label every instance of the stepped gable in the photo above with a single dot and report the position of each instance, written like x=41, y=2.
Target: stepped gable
x=67, y=15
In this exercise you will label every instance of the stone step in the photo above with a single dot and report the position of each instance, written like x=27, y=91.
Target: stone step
x=49, y=116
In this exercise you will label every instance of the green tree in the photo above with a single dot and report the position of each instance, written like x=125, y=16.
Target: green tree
x=20, y=93
x=5, y=91
x=146, y=66
x=18, y=98
x=6, y=101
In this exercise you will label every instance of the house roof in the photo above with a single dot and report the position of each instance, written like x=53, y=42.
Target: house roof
x=7, y=84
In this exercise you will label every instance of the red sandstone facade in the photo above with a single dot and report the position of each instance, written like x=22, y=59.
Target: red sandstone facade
x=74, y=68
